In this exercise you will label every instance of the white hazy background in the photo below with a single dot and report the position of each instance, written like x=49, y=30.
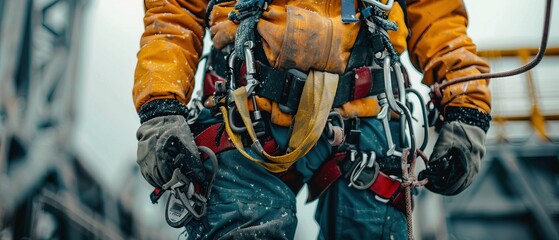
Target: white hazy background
x=107, y=120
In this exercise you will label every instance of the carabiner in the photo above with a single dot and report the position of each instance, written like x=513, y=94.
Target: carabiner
x=251, y=79
x=402, y=97
x=250, y=68
x=388, y=87
x=385, y=7
x=367, y=161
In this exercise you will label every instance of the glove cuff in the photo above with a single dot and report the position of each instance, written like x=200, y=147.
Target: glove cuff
x=162, y=107
x=470, y=116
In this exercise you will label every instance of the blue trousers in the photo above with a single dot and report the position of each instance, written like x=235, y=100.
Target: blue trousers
x=248, y=202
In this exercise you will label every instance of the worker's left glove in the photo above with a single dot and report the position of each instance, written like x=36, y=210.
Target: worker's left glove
x=456, y=157
x=165, y=143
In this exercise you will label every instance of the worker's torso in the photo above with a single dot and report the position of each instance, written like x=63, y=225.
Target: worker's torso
x=303, y=34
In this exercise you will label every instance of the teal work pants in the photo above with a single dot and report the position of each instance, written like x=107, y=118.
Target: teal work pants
x=248, y=202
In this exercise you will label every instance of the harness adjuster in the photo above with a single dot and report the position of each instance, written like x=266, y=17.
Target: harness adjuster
x=295, y=81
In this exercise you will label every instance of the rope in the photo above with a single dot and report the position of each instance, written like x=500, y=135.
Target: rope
x=409, y=181
x=438, y=88
x=379, y=24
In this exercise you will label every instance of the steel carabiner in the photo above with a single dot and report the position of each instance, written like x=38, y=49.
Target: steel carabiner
x=382, y=6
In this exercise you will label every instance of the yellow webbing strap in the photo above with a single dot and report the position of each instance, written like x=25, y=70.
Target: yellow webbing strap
x=312, y=114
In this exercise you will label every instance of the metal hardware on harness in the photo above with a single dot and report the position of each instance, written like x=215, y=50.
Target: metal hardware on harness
x=251, y=79
x=387, y=101
x=194, y=111
x=184, y=202
x=367, y=161
x=377, y=3
x=181, y=202
x=331, y=128
x=402, y=96
x=388, y=87
x=384, y=116
x=252, y=83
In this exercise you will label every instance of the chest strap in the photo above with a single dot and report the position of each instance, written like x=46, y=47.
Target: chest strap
x=285, y=87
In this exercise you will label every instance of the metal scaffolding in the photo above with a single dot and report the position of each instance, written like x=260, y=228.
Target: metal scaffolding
x=46, y=190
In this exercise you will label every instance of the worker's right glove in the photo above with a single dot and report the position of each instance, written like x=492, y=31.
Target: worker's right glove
x=456, y=157
x=164, y=144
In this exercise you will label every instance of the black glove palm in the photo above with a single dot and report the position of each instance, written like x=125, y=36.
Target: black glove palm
x=456, y=158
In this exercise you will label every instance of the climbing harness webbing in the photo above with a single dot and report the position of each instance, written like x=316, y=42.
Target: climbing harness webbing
x=386, y=189
x=316, y=101
x=285, y=86
x=308, y=124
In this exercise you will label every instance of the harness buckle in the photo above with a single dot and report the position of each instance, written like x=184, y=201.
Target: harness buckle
x=296, y=79
x=365, y=161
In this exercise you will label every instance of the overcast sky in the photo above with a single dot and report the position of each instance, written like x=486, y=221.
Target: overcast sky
x=107, y=121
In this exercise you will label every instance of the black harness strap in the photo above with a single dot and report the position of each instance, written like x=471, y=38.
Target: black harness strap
x=285, y=86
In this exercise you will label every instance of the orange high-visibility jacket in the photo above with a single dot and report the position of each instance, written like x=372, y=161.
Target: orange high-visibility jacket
x=307, y=34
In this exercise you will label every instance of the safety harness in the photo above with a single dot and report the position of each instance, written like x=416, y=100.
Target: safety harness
x=287, y=87
x=308, y=97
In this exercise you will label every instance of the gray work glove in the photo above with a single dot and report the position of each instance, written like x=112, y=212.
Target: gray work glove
x=456, y=157
x=164, y=144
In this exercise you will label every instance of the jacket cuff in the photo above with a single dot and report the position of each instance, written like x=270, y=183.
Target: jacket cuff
x=470, y=116
x=162, y=107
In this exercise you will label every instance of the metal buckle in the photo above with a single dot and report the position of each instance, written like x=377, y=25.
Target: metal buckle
x=377, y=3
x=367, y=161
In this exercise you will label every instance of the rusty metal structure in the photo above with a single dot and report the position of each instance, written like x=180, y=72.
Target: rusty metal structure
x=47, y=190
x=516, y=195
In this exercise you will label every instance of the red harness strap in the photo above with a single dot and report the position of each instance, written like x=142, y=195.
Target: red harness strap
x=208, y=138
x=387, y=190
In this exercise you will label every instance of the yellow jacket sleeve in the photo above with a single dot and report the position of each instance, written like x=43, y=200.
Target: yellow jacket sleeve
x=440, y=47
x=170, y=49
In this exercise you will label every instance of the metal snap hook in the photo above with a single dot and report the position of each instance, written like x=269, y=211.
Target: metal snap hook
x=385, y=7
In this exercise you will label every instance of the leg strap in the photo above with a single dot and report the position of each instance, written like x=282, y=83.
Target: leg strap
x=385, y=188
